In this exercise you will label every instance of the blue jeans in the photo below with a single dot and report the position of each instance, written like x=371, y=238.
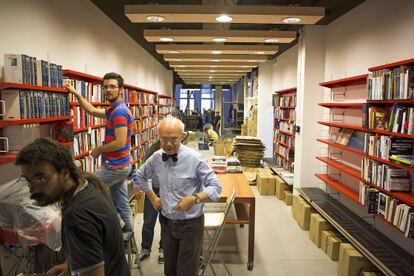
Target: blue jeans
x=150, y=218
x=115, y=180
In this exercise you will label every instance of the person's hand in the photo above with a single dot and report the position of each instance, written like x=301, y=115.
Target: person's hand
x=58, y=270
x=96, y=152
x=71, y=89
x=156, y=203
x=185, y=203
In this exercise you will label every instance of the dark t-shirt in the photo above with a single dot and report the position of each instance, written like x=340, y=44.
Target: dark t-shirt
x=92, y=235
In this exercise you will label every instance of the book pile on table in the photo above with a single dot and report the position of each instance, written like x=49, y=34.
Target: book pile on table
x=249, y=150
x=233, y=165
x=219, y=164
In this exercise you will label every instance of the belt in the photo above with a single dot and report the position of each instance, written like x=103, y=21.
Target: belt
x=181, y=221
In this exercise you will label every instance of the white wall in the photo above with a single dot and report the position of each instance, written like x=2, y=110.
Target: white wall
x=77, y=35
x=374, y=33
x=264, y=107
x=285, y=70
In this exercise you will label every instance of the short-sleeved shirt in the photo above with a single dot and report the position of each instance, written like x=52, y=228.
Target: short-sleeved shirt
x=92, y=235
x=118, y=115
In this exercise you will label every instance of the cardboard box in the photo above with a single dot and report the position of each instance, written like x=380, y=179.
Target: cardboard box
x=370, y=273
x=324, y=239
x=139, y=202
x=281, y=186
x=304, y=213
x=354, y=263
x=342, y=248
x=332, y=247
x=295, y=207
x=266, y=184
x=317, y=225
x=288, y=197
x=219, y=147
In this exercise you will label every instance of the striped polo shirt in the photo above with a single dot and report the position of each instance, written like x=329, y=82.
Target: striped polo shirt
x=117, y=115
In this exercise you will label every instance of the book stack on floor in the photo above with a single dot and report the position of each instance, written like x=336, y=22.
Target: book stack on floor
x=249, y=150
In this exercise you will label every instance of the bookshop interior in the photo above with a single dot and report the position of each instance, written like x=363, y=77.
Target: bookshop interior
x=219, y=137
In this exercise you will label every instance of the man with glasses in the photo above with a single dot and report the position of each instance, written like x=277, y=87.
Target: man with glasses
x=116, y=148
x=186, y=181
x=91, y=234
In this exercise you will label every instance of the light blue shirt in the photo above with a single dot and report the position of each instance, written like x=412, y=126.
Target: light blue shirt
x=188, y=176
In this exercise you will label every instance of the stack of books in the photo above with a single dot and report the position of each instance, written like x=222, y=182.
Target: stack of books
x=249, y=150
x=233, y=165
x=219, y=164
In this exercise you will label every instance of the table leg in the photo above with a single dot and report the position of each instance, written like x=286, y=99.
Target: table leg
x=252, y=212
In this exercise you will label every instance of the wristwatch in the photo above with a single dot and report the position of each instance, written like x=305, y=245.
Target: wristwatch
x=197, y=199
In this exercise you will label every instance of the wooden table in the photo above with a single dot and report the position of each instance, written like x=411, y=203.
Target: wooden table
x=244, y=204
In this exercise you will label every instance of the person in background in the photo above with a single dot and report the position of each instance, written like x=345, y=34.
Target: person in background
x=151, y=214
x=91, y=233
x=186, y=182
x=217, y=122
x=211, y=134
x=115, y=151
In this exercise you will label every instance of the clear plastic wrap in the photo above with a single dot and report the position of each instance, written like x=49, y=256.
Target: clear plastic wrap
x=23, y=222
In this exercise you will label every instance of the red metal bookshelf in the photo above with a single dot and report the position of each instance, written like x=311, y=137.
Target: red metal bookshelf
x=6, y=158
x=356, y=80
x=341, y=167
x=81, y=76
x=340, y=187
x=285, y=145
x=83, y=154
x=287, y=107
x=286, y=133
x=286, y=91
x=86, y=128
x=13, y=85
x=93, y=103
x=4, y=123
x=355, y=127
x=403, y=102
x=391, y=65
x=361, y=153
x=342, y=105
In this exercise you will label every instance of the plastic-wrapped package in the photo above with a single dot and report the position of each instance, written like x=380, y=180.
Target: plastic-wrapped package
x=23, y=222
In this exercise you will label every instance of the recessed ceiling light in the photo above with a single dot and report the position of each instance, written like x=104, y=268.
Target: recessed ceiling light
x=155, y=18
x=173, y=52
x=215, y=60
x=252, y=60
x=245, y=66
x=213, y=66
x=219, y=39
x=181, y=65
x=291, y=20
x=259, y=52
x=212, y=70
x=271, y=40
x=176, y=59
x=224, y=18
x=216, y=52
x=166, y=39
x=210, y=77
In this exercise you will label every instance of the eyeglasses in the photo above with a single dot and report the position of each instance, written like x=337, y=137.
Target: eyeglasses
x=36, y=180
x=111, y=86
x=172, y=140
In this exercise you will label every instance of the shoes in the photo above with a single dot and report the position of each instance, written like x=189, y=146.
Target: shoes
x=161, y=257
x=145, y=253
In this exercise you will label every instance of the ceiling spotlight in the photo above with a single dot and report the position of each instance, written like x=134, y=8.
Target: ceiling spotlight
x=259, y=52
x=251, y=60
x=173, y=52
x=155, y=18
x=219, y=39
x=271, y=40
x=181, y=66
x=213, y=71
x=291, y=20
x=210, y=77
x=245, y=66
x=224, y=18
x=213, y=66
x=176, y=59
x=216, y=52
x=215, y=60
x=166, y=39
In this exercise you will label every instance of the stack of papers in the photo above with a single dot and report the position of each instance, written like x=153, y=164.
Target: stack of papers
x=249, y=150
x=233, y=165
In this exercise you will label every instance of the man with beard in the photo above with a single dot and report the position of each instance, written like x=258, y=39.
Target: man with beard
x=115, y=151
x=91, y=234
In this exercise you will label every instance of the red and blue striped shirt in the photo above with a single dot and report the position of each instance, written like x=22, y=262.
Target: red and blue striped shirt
x=118, y=115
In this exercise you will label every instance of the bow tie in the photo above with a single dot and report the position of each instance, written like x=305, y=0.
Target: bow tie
x=165, y=157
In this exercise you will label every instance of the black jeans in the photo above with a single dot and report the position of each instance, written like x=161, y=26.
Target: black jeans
x=182, y=245
x=150, y=218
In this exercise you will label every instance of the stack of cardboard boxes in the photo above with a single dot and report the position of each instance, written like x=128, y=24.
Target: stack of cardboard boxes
x=270, y=184
x=249, y=128
x=137, y=203
x=301, y=212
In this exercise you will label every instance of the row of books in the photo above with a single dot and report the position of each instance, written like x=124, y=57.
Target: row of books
x=289, y=140
x=89, y=164
x=385, y=176
x=283, y=163
x=146, y=98
x=139, y=111
x=399, y=214
x=387, y=84
x=166, y=109
x=384, y=146
x=21, y=68
x=86, y=141
x=397, y=119
x=286, y=126
x=139, y=138
x=142, y=124
x=287, y=101
x=285, y=152
x=90, y=91
x=343, y=136
x=82, y=119
x=165, y=101
x=138, y=155
x=287, y=114
x=31, y=104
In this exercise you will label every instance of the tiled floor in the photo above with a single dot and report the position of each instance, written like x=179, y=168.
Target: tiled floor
x=281, y=246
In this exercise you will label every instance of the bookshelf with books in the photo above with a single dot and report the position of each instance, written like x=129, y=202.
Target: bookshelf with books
x=165, y=106
x=33, y=104
x=370, y=160
x=284, y=103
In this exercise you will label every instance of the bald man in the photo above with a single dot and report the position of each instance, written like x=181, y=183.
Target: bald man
x=186, y=182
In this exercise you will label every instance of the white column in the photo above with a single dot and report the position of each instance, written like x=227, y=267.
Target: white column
x=265, y=109
x=311, y=66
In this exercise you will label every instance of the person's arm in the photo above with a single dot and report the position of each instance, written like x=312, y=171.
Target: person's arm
x=117, y=144
x=100, y=271
x=143, y=175
x=89, y=108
